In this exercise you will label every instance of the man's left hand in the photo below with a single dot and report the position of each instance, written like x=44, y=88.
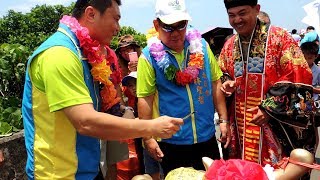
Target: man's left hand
x=225, y=134
x=261, y=118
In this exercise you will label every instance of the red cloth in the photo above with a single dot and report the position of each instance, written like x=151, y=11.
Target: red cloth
x=235, y=169
x=114, y=65
x=129, y=168
x=273, y=57
x=131, y=99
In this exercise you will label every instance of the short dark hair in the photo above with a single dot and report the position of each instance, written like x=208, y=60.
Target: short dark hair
x=294, y=31
x=310, y=28
x=310, y=48
x=100, y=5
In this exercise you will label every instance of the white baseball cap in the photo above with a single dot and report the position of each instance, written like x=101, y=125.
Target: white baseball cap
x=131, y=75
x=171, y=11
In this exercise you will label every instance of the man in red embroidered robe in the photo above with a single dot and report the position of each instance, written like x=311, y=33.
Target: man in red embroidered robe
x=254, y=59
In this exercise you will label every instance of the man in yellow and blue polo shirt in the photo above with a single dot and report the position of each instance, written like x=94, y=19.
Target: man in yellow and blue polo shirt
x=158, y=95
x=61, y=101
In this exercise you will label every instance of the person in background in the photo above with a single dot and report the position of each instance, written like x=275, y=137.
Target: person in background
x=127, y=169
x=253, y=61
x=150, y=165
x=130, y=81
x=178, y=75
x=264, y=17
x=310, y=52
x=113, y=151
x=295, y=36
x=311, y=36
x=62, y=101
x=127, y=45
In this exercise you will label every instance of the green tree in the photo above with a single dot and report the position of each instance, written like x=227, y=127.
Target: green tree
x=20, y=34
x=12, y=70
x=139, y=37
x=32, y=28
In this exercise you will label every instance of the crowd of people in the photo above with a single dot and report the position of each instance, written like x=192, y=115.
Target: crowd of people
x=87, y=108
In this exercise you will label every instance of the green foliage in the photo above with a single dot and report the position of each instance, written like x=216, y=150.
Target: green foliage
x=20, y=35
x=12, y=70
x=31, y=29
x=125, y=30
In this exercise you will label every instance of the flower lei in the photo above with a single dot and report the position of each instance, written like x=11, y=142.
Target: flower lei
x=100, y=70
x=171, y=72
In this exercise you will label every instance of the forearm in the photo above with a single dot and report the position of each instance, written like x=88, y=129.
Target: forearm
x=106, y=126
x=89, y=122
x=219, y=100
x=145, y=107
x=145, y=110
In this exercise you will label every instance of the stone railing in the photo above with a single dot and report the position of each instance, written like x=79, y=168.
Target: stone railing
x=14, y=151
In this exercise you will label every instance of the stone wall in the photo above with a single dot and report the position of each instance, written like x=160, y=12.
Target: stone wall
x=15, y=156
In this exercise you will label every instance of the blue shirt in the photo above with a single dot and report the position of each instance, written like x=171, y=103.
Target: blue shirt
x=316, y=79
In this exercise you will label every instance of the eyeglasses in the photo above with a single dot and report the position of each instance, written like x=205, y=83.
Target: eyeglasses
x=168, y=28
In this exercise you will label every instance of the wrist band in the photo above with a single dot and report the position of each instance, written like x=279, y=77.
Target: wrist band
x=222, y=121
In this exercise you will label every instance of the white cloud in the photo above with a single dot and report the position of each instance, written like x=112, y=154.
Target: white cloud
x=20, y=8
x=51, y=2
x=26, y=6
x=137, y=3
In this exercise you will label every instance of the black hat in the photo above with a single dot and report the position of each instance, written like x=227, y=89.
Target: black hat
x=234, y=3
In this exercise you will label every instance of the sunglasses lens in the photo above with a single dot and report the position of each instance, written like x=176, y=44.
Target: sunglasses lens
x=168, y=28
x=182, y=26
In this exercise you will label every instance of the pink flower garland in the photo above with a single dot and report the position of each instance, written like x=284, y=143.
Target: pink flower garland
x=172, y=73
x=100, y=70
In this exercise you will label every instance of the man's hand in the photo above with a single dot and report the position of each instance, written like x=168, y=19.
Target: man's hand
x=225, y=134
x=153, y=148
x=261, y=118
x=228, y=88
x=165, y=127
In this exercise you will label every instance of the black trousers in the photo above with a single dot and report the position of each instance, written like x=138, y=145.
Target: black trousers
x=176, y=156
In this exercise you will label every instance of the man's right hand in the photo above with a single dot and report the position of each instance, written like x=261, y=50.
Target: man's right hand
x=228, y=87
x=165, y=127
x=153, y=148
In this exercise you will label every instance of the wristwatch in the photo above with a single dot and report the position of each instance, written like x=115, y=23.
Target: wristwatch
x=127, y=108
x=222, y=121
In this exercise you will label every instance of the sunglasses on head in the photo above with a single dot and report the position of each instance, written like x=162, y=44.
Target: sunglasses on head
x=169, y=28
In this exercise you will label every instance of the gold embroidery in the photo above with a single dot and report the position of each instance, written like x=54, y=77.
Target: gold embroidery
x=207, y=93
x=198, y=81
x=205, y=84
x=201, y=100
x=199, y=89
x=204, y=75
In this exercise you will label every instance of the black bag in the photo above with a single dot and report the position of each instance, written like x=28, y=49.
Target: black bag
x=291, y=103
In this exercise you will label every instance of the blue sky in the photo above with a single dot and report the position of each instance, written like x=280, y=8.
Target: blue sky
x=206, y=14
